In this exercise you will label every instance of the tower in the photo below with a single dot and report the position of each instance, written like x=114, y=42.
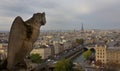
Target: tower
x=82, y=28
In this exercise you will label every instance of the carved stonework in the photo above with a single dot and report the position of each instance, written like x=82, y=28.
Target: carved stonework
x=22, y=36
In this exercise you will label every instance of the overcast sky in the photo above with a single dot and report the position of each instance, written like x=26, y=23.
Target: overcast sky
x=64, y=14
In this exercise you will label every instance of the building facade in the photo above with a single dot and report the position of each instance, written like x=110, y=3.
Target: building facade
x=107, y=54
x=100, y=54
x=3, y=51
x=113, y=55
x=44, y=52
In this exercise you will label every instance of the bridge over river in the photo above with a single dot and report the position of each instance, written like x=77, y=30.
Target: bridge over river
x=69, y=54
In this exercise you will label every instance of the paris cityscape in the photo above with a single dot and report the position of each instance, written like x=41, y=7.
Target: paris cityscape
x=81, y=36
x=89, y=49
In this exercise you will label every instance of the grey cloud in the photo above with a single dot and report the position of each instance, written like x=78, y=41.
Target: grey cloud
x=25, y=7
x=66, y=14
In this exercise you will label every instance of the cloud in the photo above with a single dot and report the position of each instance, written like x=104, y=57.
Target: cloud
x=63, y=14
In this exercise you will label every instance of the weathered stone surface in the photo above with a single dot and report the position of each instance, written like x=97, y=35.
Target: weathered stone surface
x=22, y=36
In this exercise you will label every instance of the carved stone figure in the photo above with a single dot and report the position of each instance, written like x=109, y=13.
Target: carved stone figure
x=22, y=36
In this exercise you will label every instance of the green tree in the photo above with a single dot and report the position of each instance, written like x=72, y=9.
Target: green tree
x=87, y=54
x=77, y=69
x=63, y=65
x=80, y=41
x=36, y=58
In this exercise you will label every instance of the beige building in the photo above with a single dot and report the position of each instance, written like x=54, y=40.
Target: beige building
x=113, y=55
x=0, y=46
x=100, y=53
x=3, y=51
x=107, y=54
x=58, y=48
x=43, y=51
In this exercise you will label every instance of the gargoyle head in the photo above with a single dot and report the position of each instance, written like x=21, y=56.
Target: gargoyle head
x=39, y=18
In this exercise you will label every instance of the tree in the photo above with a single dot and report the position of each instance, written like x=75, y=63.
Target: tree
x=36, y=58
x=63, y=65
x=80, y=41
x=87, y=54
x=92, y=50
x=77, y=69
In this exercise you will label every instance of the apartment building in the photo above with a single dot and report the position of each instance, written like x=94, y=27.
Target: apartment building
x=113, y=55
x=3, y=51
x=107, y=54
x=101, y=54
x=43, y=51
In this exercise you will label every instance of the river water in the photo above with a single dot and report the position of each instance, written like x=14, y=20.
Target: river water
x=79, y=59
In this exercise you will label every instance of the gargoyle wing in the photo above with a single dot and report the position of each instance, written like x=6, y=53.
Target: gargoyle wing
x=16, y=38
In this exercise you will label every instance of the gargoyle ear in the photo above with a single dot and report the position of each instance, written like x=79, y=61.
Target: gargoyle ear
x=43, y=13
x=34, y=14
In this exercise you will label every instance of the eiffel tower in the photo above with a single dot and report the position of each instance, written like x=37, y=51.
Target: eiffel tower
x=82, y=28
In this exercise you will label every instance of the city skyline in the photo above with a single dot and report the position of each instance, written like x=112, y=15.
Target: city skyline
x=64, y=14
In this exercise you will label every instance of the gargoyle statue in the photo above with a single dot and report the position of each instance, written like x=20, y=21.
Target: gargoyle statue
x=22, y=36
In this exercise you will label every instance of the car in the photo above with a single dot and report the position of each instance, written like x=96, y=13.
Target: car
x=54, y=62
x=49, y=60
